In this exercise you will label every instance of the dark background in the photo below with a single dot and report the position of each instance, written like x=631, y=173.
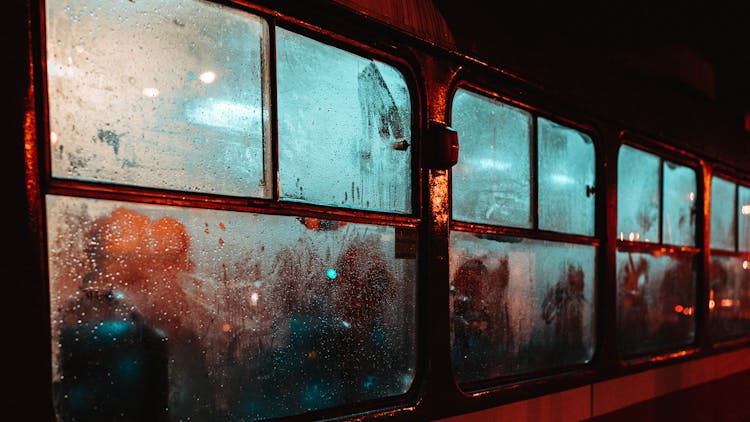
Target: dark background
x=700, y=48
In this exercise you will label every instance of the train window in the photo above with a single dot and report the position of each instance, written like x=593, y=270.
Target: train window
x=351, y=117
x=519, y=304
x=679, y=207
x=744, y=218
x=491, y=181
x=228, y=311
x=729, y=294
x=566, y=179
x=723, y=214
x=638, y=195
x=177, y=105
x=248, y=315
x=656, y=254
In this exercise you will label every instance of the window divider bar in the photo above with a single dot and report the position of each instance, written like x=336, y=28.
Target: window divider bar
x=273, y=111
x=661, y=201
x=534, y=173
x=736, y=216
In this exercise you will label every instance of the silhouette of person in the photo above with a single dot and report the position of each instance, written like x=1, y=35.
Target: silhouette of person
x=136, y=269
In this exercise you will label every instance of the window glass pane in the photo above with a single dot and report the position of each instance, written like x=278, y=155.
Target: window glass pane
x=519, y=305
x=723, y=214
x=350, y=118
x=744, y=218
x=729, y=298
x=655, y=302
x=680, y=187
x=637, y=195
x=224, y=316
x=491, y=182
x=164, y=94
x=566, y=179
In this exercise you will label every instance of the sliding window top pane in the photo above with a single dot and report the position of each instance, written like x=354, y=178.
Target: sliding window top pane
x=566, y=179
x=638, y=195
x=680, y=187
x=164, y=94
x=744, y=219
x=491, y=182
x=723, y=214
x=344, y=127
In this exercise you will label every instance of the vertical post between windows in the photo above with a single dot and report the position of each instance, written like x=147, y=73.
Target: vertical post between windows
x=271, y=160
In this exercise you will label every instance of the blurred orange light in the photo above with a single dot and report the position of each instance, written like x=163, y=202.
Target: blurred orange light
x=678, y=309
x=226, y=328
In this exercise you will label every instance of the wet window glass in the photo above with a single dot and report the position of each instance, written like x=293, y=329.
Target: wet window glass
x=744, y=219
x=164, y=94
x=723, y=214
x=196, y=314
x=566, y=179
x=655, y=302
x=519, y=305
x=491, y=182
x=350, y=117
x=638, y=195
x=729, y=297
x=680, y=201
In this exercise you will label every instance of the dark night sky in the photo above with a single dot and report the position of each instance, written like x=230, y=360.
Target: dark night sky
x=715, y=32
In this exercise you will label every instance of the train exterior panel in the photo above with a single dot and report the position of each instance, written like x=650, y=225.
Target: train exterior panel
x=353, y=209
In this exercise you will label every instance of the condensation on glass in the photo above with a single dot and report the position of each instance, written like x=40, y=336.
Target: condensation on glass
x=491, y=183
x=638, y=195
x=656, y=287
x=164, y=94
x=744, y=218
x=519, y=305
x=350, y=118
x=723, y=214
x=656, y=302
x=566, y=179
x=680, y=202
x=188, y=314
x=729, y=296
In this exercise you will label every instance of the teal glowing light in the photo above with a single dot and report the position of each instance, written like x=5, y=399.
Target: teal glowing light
x=331, y=273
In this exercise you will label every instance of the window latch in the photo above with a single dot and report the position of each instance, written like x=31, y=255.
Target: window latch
x=442, y=146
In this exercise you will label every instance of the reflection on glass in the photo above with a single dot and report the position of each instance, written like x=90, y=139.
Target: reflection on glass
x=729, y=297
x=723, y=214
x=637, y=195
x=350, y=118
x=519, y=305
x=744, y=219
x=164, y=94
x=491, y=182
x=655, y=302
x=566, y=179
x=209, y=315
x=680, y=187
